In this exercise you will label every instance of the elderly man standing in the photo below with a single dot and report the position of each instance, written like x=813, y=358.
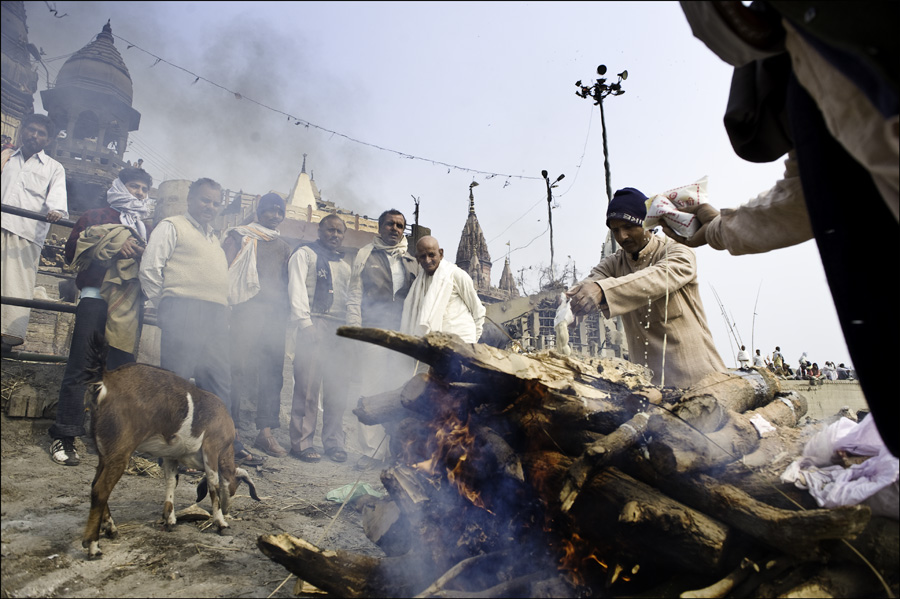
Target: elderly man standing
x=442, y=298
x=382, y=275
x=651, y=282
x=319, y=281
x=184, y=273
x=33, y=181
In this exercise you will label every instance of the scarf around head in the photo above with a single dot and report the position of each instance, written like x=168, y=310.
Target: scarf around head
x=324, y=294
x=132, y=210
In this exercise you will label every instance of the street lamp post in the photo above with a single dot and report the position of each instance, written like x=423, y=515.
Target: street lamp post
x=600, y=90
x=550, y=187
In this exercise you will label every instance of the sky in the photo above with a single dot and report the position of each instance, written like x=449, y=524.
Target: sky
x=399, y=100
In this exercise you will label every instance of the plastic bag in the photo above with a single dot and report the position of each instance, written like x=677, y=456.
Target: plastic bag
x=342, y=494
x=561, y=322
x=667, y=206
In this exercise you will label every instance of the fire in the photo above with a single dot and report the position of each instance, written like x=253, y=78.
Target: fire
x=575, y=563
x=451, y=445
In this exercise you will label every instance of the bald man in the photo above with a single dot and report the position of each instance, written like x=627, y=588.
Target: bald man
x=442, y=297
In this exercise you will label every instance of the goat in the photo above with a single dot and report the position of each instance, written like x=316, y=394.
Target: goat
x=138, y=407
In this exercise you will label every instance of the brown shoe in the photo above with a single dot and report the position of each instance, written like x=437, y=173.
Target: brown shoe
x=270, y=446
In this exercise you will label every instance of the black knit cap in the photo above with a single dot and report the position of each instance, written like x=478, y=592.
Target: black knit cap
x=628, y=204
x=269, y=200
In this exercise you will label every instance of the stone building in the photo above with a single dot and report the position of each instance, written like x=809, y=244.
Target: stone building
x=19, y=77
x=91, y=102
x=472, y=256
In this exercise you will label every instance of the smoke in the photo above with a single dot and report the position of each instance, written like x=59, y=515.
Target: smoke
x=191, y=128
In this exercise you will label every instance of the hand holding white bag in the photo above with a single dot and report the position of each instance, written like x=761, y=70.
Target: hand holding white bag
x=667, y=207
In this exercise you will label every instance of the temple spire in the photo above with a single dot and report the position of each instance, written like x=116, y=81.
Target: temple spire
x=303, y=168
x=472, y=197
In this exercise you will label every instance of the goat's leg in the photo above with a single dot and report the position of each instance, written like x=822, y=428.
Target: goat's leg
x=170, y=468
x=107, y=525
x=211, y=465
x=109, y=471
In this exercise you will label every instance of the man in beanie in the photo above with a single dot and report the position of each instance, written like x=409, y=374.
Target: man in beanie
x=184, y=274
x=105, y=248
x=651, y=282
x=257, y=277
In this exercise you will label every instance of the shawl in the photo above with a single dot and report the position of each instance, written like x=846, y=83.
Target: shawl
x=243, y=277
x=423, y=311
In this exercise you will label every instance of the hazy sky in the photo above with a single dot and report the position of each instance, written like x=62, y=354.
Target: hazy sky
x=483, y=86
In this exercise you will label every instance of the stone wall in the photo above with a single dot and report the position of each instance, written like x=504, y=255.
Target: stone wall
x=826, y=398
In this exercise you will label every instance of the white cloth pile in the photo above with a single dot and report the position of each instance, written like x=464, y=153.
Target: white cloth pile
x=873, y=482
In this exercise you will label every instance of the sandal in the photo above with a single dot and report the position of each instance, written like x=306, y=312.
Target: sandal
x=245, y=458
x=336, y=454
x=308, y=455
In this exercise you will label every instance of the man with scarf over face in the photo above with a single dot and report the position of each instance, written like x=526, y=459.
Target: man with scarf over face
x=105, y=246
x=319, y=281
x=383, y=272
x=258, y=294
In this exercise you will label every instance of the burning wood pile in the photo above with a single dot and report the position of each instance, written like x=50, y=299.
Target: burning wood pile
x=543, y=476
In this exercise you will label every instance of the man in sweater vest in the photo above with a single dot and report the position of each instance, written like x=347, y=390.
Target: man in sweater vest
x=184, y=273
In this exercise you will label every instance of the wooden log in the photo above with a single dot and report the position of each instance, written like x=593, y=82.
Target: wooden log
x=616, y=510
x=447, y=355
x=340, y=573
x=621, y=516
x=737, y=390
x=381, y=408
x=386, y=526
x=599, y=455
x=797, y=533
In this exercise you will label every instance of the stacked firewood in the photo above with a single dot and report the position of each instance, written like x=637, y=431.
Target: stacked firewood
x=545, y=475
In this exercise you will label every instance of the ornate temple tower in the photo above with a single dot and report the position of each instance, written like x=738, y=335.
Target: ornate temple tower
x=507, y=282
x=472, y=255
x=19, y=78
x=91, y=102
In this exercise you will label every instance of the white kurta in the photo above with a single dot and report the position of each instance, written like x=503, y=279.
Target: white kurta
x=445, y=302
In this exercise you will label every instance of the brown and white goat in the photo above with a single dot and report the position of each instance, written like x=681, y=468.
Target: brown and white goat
x=138, y=407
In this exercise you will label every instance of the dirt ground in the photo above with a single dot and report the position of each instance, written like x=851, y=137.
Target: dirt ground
x=45, y=507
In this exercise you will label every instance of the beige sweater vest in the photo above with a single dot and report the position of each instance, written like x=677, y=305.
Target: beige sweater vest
x=197, y=269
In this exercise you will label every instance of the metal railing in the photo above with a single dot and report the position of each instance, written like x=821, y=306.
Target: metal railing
x=39, y=304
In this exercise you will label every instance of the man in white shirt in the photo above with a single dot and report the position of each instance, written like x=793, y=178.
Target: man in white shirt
x=33, y=181
x=319, y=279
x=743, y=358
x=758, y=361
x=442, y=297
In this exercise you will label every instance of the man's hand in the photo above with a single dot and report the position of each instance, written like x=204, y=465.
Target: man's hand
x=705, y=214
x=132, y=248
x=585, y=298
x=54, y=216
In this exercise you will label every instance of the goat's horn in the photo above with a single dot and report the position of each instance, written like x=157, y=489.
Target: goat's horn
x=243, y=476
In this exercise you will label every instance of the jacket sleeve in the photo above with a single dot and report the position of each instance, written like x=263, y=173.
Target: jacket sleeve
x=298, y=270
x=354, y=292
x=774, y=219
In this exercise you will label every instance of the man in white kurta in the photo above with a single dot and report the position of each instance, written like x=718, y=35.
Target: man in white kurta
x=442, y=297
x=33, y=181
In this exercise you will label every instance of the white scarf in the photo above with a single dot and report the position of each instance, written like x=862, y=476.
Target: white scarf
x=423, y=311
x=132, y=210
x=378, y=243
x=243, y=276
